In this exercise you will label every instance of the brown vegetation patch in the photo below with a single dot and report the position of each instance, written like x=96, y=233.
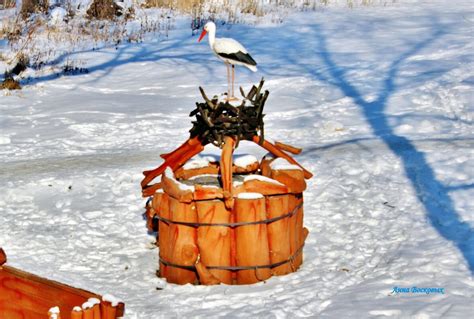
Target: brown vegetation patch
x=10, y=84
x=104, y=10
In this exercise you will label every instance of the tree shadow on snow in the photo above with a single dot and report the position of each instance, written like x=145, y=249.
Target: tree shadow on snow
x=433, y=195
x=139, y=53
x=430, y=192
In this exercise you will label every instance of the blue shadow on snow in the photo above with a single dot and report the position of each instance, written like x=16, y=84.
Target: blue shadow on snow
x=429, y=191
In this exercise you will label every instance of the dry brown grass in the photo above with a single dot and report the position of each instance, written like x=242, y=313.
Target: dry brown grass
x=10, y=84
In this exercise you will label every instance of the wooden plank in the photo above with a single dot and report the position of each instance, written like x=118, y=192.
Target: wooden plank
x=29, y=296
x=251, y=241
x=3, y=257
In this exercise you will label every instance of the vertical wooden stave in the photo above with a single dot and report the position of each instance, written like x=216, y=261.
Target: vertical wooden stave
x=292, y=225
x=96, y=311
x=300, y=237
x=107, y=311
x=251, y=240
x=76, y=313
x=279, y=233
x=214, y=242
x=183, y=249
x=87, y=313
x=164, y=242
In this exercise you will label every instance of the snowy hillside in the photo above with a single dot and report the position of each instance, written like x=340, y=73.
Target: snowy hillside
x=380, y=98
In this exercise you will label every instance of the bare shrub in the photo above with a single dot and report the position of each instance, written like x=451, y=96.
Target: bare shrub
x=104, y=10
x=28, y=7
x=7, y=4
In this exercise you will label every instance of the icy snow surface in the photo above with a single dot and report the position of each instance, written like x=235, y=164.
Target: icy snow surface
x=381, y=100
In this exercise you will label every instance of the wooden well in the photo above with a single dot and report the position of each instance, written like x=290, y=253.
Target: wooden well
x=203, y=241
x=227, y=221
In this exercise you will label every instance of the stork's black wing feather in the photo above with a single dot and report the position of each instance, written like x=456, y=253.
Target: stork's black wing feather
x=239, y=56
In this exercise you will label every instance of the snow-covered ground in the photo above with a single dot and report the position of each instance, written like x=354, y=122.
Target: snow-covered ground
x=380, y=98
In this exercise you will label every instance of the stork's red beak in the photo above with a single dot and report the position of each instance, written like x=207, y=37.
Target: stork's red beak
x=204, y=32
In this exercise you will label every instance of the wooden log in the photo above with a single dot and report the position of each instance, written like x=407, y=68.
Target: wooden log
x=212, y=169
x=182, y=149
x=265, y=168
x=214, y=242
x=164, y=239
x=279, y=153
x=184, y=250
x=263, y=185
x=293, y=179
x=150, y=190
x=156, y=203
x=3, y=257
x=279, y=233
x=250, y=168
x=226, y=170
x=174, y=188
x=174, y=159
x=205, y=276
x=288, y=148
x=182, y=173
x=207, y=192
x=251, y=240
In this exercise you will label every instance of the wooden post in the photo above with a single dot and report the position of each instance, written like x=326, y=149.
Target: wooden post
x=278, y=152
x=226, y=170
x=174, y=160
x=292, y=178
x=252, y=240
x=279, y=233
x=184, y=249
x=214, y=242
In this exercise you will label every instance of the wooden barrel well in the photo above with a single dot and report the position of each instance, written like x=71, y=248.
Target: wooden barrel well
x=204, y=240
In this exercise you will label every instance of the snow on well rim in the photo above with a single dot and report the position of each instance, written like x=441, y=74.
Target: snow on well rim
x=169, y=173
x=282, y=164
x=262, y=178
x=245, y=160
x=249, y=195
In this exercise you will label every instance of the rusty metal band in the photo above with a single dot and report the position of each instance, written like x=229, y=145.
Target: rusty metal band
x=231, y=225
x=237, y=268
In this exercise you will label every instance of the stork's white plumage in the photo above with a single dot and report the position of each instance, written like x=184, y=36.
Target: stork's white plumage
x=230, y=51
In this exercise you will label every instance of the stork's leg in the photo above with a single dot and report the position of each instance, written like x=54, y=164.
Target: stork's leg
x=228, y=81
x=233, y=78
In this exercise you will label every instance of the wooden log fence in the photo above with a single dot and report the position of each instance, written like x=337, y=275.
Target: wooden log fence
x=25, y=295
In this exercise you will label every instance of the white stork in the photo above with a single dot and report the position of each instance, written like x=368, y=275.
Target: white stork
x=230, y=51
